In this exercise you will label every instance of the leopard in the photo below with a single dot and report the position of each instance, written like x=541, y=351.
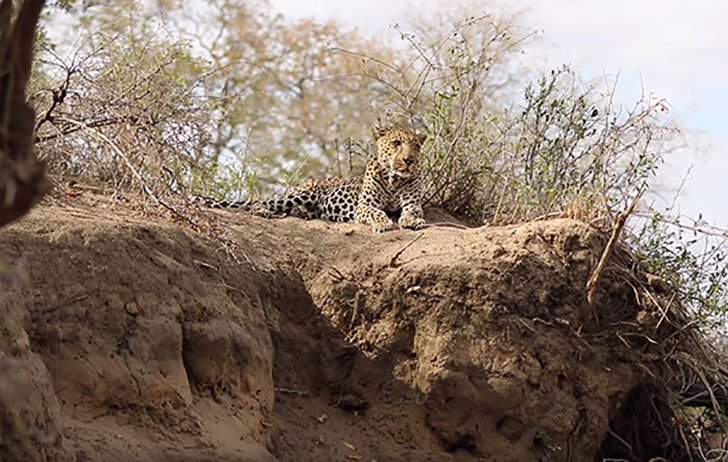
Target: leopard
x=391, y=184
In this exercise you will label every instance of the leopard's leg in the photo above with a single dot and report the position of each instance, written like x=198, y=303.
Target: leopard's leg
x=375, y=217
x=412, y=215
x=372, y=200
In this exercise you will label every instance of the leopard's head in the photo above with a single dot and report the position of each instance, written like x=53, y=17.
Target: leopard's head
x=398, y=150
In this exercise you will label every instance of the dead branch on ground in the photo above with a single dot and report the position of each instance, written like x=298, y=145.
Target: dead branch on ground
x=393, y=261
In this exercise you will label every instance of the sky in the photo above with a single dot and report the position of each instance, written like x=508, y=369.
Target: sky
x=673, y=49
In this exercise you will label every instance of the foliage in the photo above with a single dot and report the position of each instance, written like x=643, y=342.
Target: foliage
x=285, y=88
x=690, y=255
x=568, y=148
x=123, y=106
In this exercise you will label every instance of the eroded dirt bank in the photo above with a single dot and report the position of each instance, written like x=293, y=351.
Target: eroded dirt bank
x=124, y=339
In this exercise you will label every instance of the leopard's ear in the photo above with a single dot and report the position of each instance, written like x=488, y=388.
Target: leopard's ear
x=379, y=131
x=421, y=137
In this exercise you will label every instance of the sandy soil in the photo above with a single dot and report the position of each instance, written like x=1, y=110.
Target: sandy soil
x=126, y=338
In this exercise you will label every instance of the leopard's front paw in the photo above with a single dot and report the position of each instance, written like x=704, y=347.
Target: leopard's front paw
x=382, y=226
x=411, y=221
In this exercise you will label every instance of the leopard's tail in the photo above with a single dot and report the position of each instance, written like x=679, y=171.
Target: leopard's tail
x=267, y=208
x=222, y=203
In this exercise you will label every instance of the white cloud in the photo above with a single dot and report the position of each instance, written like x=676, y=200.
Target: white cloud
x=675, y=48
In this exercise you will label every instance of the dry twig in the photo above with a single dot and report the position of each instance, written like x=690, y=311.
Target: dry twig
x=591, y=285
x=393, y=261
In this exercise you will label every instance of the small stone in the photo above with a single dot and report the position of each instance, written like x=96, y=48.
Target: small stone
x=132, y=308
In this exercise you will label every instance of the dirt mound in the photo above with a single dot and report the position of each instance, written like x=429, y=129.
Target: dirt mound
x=125, y=340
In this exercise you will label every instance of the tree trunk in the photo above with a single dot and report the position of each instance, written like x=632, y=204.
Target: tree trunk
x=22, y=175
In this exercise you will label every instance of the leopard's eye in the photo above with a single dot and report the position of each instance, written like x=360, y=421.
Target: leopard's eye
x=397, y=143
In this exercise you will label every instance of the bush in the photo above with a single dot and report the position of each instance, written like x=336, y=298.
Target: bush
x=123, y=108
